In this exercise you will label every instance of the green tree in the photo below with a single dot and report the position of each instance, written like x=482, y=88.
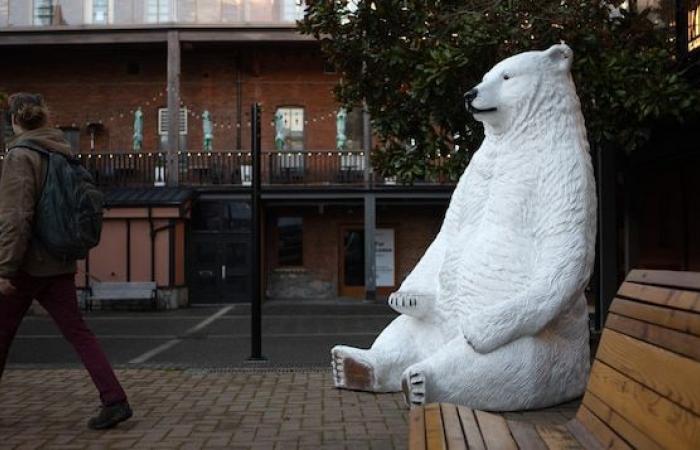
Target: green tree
x=412, y=60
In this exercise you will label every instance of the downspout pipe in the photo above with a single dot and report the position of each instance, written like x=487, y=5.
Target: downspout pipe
x=154, y=234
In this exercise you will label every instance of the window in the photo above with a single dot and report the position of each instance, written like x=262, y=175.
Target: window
x=43, y=12
x=158, y=11
x=163, y=121
x=221, y=215
x=72, y=135
x=693, y=25
x=354, y=129
x=291, y=10
x=99, y=12
x=290, y=241
x=293, y=120
x=6, y=132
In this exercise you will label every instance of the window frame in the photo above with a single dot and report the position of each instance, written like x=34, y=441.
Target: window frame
x=159, y=17
x=36, y=4
x=163, y=120
x=289, y=129
x=90, y=13
x=291, y=10
x=278, y=233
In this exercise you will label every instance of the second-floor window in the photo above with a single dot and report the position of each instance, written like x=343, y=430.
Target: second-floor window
x=293, y=120
x=43, y=12
x=163, y=121
x=693, y=25
x=157, y=11
x=291, y=10
x=99, y=11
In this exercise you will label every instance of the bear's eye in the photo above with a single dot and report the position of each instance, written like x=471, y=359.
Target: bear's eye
x=506, y=76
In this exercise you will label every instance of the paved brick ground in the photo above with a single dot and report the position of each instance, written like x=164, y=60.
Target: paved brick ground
x=190, y=409
x=245, y=409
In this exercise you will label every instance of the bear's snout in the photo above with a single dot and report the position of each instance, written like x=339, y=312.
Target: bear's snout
x=470, y=96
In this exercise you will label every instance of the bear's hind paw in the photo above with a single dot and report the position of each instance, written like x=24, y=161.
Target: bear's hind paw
x=351, y=371
x=413, y=386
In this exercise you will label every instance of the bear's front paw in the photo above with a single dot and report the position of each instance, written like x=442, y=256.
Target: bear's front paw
x=479, y=337
x=412, y=304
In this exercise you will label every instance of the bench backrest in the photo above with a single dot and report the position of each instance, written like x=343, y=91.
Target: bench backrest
x=123, y=290
x=644, y=388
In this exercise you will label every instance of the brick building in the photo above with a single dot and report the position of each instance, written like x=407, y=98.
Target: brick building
x=99, y=63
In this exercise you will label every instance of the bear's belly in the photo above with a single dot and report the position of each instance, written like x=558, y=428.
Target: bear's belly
x=486, y=265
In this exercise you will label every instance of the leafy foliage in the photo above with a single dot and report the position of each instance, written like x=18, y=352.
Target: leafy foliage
x=412, y=60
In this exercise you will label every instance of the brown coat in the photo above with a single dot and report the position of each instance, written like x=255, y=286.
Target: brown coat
x=21, y=183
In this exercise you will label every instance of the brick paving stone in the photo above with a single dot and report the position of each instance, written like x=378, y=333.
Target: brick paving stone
x=244, y=409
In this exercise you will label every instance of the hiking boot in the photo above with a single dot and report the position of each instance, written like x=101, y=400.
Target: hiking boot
x=110, y=416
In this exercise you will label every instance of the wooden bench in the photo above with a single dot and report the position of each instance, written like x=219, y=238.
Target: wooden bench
x=122, y=292
x=643, y=391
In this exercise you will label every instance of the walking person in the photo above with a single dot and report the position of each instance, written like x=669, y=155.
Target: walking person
x=28, y=269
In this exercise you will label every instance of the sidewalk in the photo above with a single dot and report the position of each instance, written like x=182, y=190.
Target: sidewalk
x=258, y=409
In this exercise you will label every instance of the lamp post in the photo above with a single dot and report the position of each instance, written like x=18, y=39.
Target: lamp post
x=256, y=250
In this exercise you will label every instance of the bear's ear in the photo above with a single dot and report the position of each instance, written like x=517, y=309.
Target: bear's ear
x=561, y=56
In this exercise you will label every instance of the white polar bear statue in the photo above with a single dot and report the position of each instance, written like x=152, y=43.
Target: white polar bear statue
x=494, y=315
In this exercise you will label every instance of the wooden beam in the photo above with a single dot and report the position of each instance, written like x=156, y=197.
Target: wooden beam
x=174, y=62
x=370, y=247
x=82, y=37
x=136, y=35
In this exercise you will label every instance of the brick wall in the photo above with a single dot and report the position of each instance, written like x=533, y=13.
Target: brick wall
x=415, y=228
x=107, y=83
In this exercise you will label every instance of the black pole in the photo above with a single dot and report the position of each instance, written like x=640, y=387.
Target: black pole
x=607, y=233
x=256, y=307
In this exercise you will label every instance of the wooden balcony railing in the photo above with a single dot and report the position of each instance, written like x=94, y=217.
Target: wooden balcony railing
x=306, y=168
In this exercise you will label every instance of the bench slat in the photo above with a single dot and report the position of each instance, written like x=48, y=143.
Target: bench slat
x=672, y=376
x=674, y=298
x=434, y=430
x=620, y=425
x=672, y=425
x=675, y=341
x=526, y=435
x=557, y=437
x=495, y=431
x=587, y=440
x=471, y=429
x=453, y=429
x=686, y=322
x=683, y=280
x=417, y=429
x=603, y=433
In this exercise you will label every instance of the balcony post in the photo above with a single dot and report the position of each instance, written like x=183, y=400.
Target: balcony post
x=367, y=143
x=370, y=247
x=172, y=170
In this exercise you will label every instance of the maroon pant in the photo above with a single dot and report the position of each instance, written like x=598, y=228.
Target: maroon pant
x=58, y=296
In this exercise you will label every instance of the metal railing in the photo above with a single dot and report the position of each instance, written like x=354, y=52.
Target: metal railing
x=233, y=168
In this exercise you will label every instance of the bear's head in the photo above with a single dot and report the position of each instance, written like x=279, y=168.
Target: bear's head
x=511, y=91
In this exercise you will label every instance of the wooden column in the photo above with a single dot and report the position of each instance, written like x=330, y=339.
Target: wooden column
x=172, y=170
x=367, y=143
x=370, y=253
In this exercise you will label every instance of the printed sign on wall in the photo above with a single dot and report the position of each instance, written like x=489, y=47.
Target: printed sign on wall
x=385, y=257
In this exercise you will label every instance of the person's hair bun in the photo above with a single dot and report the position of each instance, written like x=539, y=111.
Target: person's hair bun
x=29, y=110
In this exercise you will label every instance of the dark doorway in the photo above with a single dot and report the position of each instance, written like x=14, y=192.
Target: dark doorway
x=220, y=266
x=352, y=263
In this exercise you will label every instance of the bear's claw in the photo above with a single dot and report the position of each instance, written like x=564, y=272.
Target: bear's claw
x=413, y=387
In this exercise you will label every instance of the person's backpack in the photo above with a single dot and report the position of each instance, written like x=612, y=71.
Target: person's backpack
x=68, y=219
